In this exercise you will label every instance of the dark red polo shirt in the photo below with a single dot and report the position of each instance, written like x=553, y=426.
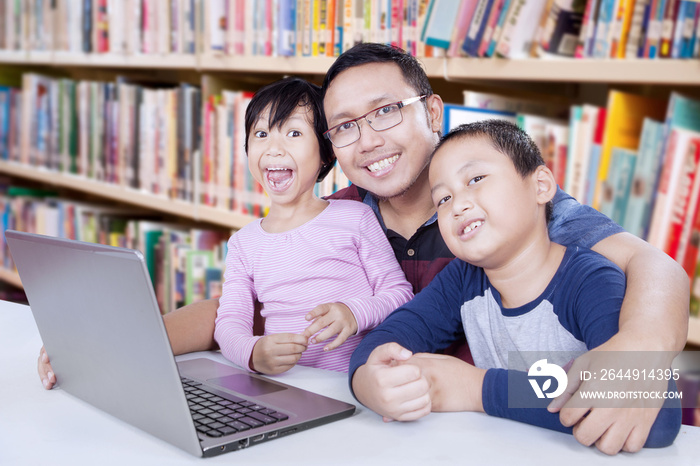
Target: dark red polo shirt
x=422, y=256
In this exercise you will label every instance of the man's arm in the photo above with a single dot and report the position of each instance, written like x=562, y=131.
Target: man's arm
x=191, y=328
x=654, y=314
x=654, y=317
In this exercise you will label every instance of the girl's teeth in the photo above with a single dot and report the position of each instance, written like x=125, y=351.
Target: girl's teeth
x=382, y=163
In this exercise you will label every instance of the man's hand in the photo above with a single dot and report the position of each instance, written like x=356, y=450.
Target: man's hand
x=48, y=378
x=334, y=319
x=274, y=354
x=455, y=385
x=395, y=391
x=624, y=427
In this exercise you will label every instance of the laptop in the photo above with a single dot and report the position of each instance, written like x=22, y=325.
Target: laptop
x=97, y=314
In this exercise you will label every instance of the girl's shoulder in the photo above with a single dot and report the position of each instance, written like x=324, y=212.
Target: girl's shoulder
x=347, y=206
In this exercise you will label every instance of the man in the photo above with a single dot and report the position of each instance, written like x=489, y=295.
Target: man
x=391, y=165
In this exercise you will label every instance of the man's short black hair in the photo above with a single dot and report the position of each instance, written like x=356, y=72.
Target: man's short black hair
x=283, y=97
x=370, y=52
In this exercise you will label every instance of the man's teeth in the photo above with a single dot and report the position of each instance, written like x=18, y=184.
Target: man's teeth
x=473, y=225
x=382, y=163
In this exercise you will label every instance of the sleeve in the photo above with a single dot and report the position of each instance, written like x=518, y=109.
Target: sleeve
x=576, y=224
x=498, y=383
x=388, y=282
x=233, y=329
x=592, y=316
x=428, y=323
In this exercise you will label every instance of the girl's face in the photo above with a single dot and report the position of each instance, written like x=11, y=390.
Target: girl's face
x=285, y=159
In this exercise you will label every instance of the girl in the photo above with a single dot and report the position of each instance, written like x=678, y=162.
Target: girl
x=327, y=262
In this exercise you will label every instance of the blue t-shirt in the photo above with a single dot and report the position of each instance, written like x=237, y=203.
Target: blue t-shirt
x=578, y=310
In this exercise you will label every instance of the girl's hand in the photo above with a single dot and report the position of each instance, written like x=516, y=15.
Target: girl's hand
x=334, y=319
x=274, y=354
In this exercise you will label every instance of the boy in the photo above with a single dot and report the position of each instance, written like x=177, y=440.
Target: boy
x=510, y=289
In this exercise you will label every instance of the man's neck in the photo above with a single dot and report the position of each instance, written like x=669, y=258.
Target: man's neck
x=406, y=213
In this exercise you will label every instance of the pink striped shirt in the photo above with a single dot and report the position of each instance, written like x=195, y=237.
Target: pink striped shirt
x=341, y=255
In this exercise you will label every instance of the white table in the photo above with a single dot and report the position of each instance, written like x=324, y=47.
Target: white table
x=51, y=427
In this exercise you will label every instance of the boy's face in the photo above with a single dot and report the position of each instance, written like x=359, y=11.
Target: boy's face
x=386, y=163
x=486, y=210
x=285, y=159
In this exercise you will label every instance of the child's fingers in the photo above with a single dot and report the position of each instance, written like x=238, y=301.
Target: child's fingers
x=315, y=327
x=339, y=340
x=318, y=311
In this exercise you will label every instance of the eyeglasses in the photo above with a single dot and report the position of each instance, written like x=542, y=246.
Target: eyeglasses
x=380, y=119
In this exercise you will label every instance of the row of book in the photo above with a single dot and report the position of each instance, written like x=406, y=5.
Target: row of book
x=565, y=28
x=425, y=28
x=99, y=26
x=637, y=159
x=185, y=264
x=165, y=140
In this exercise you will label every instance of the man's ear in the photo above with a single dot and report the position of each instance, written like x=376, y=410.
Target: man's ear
x=546, y=185
x=436, y=110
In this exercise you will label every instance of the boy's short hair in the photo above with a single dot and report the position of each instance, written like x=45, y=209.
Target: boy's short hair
x=283, y=97
x=508, y=139
x=370, y=52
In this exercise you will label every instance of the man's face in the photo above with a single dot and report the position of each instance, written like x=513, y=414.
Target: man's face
x=386, y=163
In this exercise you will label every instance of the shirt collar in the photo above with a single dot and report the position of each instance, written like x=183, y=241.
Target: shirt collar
x=372, y=201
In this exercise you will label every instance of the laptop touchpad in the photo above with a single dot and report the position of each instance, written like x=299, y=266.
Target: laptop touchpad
x=246, y=385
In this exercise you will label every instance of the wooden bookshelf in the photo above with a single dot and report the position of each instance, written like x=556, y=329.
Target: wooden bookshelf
x=182, y=209
x=634, y=71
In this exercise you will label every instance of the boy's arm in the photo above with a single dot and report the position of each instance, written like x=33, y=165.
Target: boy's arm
x=653, y=317
x=428, y=323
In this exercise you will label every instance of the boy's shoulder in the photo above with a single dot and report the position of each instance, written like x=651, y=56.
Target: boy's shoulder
x=582, y=265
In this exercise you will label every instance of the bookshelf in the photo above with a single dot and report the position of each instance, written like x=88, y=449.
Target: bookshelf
x=608, y=71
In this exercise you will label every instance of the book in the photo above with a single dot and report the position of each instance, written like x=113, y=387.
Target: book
x=604, y=28
x=534, y=104
x=461, y=27
x=196, y=263
x=587, y=32
x=636, y=36
x=644, y=180
x=654, y=28
x=667, y=26
x=617, y=186
x=519, y=29
x=681, y=157
x=625, y=115
x=621, y=28
x=472, y=41
x=439, y=23
x=562, y=28
x=456, y=115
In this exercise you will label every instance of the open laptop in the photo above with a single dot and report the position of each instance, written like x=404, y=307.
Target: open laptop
x=96, y=311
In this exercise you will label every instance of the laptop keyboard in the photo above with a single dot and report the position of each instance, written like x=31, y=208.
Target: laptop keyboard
x=216, y=416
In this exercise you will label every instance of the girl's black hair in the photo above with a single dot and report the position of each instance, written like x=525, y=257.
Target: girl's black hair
x=283, y=97
x=508, y=139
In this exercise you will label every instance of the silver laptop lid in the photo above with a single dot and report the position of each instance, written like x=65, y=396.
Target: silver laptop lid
x=97, y=315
